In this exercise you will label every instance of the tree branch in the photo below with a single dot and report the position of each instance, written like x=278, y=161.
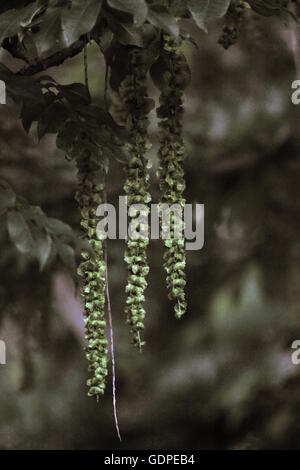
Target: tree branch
x=54, y=60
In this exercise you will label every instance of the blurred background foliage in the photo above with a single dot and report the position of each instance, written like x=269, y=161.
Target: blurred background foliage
x=222, y=377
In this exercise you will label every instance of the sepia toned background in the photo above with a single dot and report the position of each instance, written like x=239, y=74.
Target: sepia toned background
x=222, y=377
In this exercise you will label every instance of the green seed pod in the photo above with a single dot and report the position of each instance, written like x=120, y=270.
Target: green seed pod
x=171, y=173
x=133, y=92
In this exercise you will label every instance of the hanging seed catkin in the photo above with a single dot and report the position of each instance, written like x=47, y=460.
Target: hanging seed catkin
x=171, y=173
x=92, y=269
x=133, y=92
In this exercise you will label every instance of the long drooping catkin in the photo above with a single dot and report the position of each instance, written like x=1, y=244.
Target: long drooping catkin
x=92, y=270
x=133, y=92
x=171, y=173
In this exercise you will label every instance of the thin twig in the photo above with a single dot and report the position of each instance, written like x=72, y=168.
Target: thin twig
x=106, y=86
x=111, y=332
x=86, y=70
x=294, y=45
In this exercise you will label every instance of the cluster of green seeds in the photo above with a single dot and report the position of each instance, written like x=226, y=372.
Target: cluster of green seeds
x=171, y=173
x=136, y=107
x=133, y=92
x=92, y=270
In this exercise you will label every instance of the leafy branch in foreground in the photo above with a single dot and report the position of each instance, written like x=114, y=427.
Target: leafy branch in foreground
x=34, y=234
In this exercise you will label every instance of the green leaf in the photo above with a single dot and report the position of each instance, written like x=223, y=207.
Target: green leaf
x=76, y=93
x=34, y=213
x=31, y=112
x=137, y=8
x=52, y=119
x=98, y=117
x=66, y=136
x=12, y=20
x=21, y=88
x=205, y=10
x=266, y=8
x=43, y=244
x=57, y=227
x=161, y=18
x=179, y=9
x=79, y=19
x=19, y=232
x=126, y=34
x=7, y=199
x=49, y=36
x=67, y=255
